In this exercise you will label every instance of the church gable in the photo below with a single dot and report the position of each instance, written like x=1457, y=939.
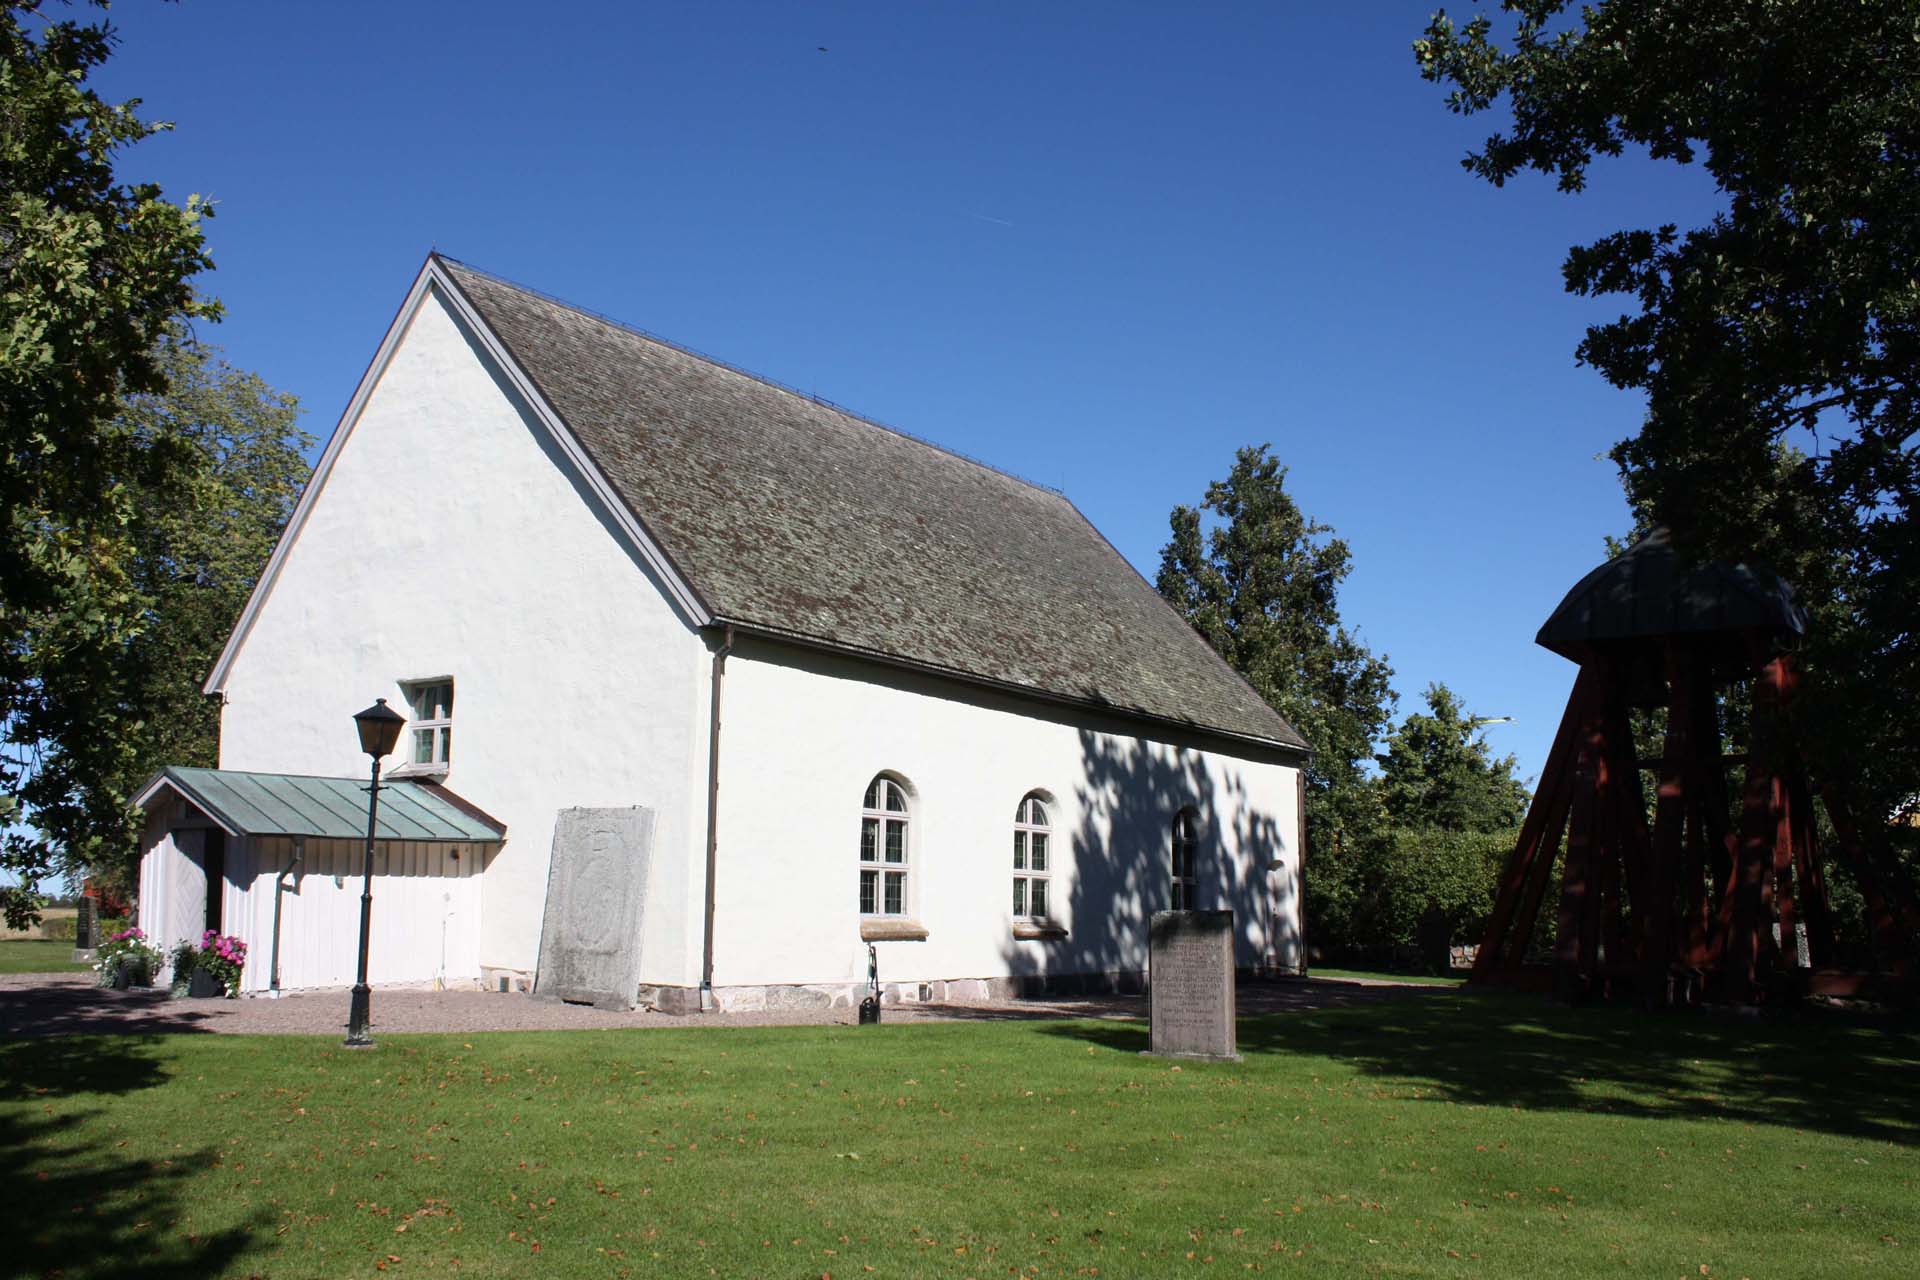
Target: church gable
x=751, y=505
x=437, y=373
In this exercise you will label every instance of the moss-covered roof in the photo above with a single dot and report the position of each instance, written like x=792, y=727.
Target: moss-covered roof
x=799, y=519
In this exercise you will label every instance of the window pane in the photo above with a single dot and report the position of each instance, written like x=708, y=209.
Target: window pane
x=1037, y=813
x=446, y=744
x=873, y=795
x=1039, y=852
x=1179, y=896
x=1039, y=897
x=446, y=701
x=1019, y=896
x=869, y=833
x=423, y=746
x=1019, y=851
x=896, y=893
x=896, y=842
x=896, y=799
x=868, y=880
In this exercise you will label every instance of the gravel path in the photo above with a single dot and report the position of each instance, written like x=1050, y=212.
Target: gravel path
x=41, y=1004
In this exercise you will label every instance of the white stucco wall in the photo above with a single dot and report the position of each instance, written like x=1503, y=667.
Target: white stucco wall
x=451, y=539
x=803, y=735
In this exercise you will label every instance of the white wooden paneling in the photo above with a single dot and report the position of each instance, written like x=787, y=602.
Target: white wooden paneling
x=426, y=914
x=184, y=917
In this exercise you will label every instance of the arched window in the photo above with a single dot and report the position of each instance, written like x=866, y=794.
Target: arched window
x=1032, y=860
x=1186, y=838
x=883, y=849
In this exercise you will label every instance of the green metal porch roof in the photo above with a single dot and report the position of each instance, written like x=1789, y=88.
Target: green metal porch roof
x=285, y=804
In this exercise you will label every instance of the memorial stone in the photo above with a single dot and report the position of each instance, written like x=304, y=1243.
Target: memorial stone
x=86, y=931
x=596, y=905
x=1190, y=996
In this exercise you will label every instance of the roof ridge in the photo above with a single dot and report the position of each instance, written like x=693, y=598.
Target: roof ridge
x=774, y=383
x=276, y=773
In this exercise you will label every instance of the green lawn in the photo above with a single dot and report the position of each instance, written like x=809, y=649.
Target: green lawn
x=1475, y=1135
x=34, y=955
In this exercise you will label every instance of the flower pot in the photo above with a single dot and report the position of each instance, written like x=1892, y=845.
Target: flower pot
x=203, y=985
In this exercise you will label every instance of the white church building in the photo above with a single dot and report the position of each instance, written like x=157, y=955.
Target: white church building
x=870, y=691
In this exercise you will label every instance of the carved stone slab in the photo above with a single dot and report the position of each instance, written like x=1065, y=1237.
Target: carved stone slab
x=1190, y=985
x=596, y=905
x=86, y=931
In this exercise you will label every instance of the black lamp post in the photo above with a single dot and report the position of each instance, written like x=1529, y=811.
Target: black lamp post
x=379, y=727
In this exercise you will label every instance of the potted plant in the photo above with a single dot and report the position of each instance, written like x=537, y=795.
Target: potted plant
x=185, y=959
x=125, y=960
x=220, y=959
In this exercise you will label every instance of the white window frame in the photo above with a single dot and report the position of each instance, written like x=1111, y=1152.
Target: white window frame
x=1185, y=854
x=1033, y=831
x=877, y=815
x=439, y=725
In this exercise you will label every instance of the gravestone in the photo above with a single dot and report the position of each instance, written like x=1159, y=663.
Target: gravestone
x=1190, y=985
x=86, y=931
x=596, y=904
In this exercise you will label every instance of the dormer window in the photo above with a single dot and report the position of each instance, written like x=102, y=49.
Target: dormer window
x=430, y=731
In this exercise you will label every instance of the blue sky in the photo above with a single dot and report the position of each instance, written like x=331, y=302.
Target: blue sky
x=1101, y=246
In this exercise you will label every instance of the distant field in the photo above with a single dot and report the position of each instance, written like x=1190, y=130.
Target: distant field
x=1483, y=1136
x=46, y=915
x=34, y=955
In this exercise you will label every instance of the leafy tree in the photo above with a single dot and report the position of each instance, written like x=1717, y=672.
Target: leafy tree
x=94, y=275
x=1438, y=773
x=1262, y=586
x=1404, y=894
x=1793, y=312
x=194, y=547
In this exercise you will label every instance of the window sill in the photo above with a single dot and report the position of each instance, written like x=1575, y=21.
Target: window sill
x=891, y=929
x=434, y=772
x=1038, y=931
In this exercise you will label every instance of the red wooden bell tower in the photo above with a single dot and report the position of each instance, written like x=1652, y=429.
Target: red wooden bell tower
x=1701, y=901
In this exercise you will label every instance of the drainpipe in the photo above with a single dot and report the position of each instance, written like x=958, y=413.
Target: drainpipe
x=279, y=887
x=713, y=812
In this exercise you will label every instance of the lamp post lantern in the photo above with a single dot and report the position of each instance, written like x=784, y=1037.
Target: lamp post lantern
x=379, y=727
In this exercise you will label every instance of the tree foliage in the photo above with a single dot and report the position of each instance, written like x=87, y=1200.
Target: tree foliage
x=1792, y=315
x=1402, y=896
x=1438, y=772
x=1262, y=586
x=95, y=275
x=193, y=547
x=1399, y=861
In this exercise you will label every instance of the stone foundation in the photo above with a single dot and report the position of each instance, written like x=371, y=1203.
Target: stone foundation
x=848, y=995
x=517, y=981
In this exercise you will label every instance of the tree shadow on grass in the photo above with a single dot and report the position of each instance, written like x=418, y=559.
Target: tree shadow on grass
x=1813, y=1069
x=70, y=1208
x=67, y=1006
